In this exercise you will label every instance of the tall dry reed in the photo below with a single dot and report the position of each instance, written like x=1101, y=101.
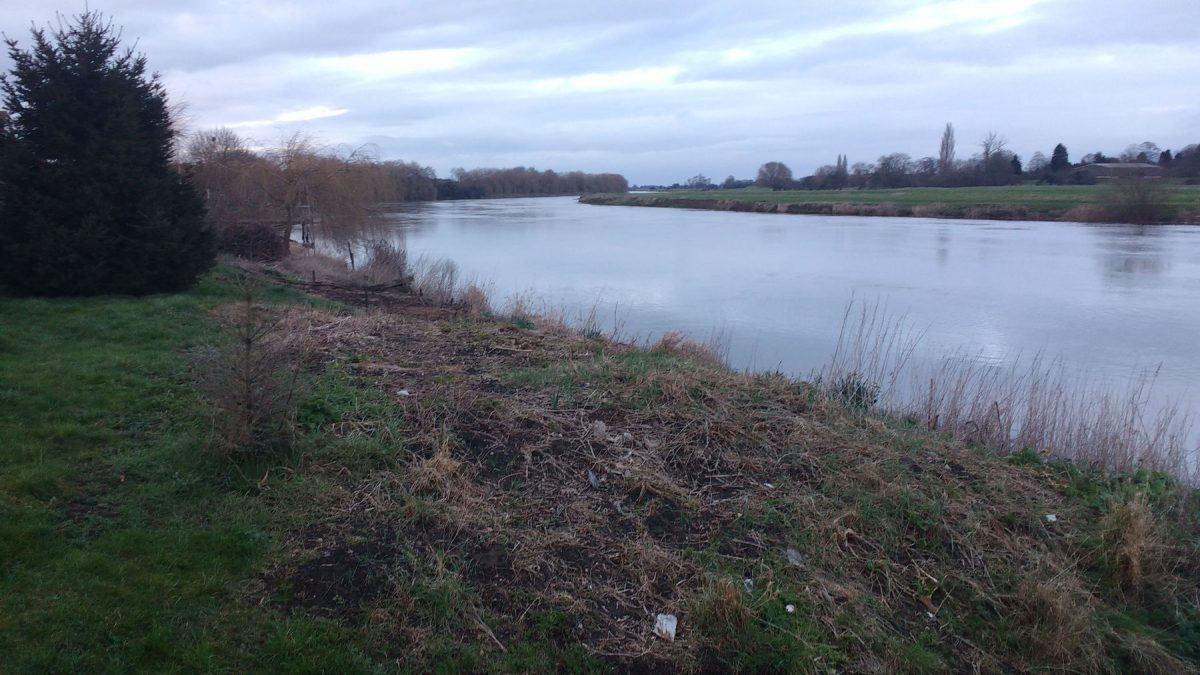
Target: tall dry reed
x=1037, y=402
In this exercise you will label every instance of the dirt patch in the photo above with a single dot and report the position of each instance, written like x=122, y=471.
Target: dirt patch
x=337, y=582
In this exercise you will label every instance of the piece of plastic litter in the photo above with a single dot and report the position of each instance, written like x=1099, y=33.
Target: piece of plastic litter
x=593, y=479
x=599, y=429
x=1051, y=518
x=794, y=557
x=748, y=584
x=665, y=625
x=791, y=609
x=403, y=392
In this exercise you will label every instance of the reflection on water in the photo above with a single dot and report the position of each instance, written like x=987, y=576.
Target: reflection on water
x=1132, y=251
x=1111, y=299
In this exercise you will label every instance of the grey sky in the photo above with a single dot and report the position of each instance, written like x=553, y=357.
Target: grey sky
x=660, y=91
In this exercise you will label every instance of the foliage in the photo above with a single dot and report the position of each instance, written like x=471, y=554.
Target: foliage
x=252, y=241
x=89, y=202
x=1139, y=200
x=855, y=391
x=774, y=175
x=1059, y=160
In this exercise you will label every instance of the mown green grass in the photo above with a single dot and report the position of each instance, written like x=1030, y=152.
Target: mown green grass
x=124, y=545
x=1033, y=197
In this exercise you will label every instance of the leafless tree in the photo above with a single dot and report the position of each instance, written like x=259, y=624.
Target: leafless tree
x=775, y=175
x=991, y=144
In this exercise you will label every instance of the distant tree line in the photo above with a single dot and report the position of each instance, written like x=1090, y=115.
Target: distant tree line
x=525, y=182
x=256, y=198
x=993, y=164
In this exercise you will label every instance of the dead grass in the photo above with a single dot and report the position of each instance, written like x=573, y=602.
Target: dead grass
x=1056, y=621
x=1133, y=545
x=436, y=280
x=722, y=612
x=710, y=353
x=1034, y=403
x=576, y=482
x=437, y=474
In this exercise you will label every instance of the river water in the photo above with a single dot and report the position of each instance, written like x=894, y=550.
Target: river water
x=1109, y=300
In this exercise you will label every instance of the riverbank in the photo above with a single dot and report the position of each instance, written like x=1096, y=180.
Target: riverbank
x=1075, y=203
x=474, y=494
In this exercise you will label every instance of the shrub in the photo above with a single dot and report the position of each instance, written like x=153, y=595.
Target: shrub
x=855, y=391
x=386, y=263
x=1138, y=200
x=253, y=241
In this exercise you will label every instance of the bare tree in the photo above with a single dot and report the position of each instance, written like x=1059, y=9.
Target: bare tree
x=946, y=154
x=775, y=175
x=991, y=144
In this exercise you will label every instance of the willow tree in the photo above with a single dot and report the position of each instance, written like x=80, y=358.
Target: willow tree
x=89, y=200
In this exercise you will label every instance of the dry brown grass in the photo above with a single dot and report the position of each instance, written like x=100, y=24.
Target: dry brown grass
x=1033, y=403
x=601, y=484
x=722, y=612
x=315, y=267
x=1056, y=623
x=710, y=353
x=1086, y=213
x=476, y=301
x=1133, y=544
x=436, y=280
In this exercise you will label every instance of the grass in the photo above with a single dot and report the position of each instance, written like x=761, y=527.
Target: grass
x=1008, y=201
x=124, y=545
x=474, y=495
x=1034, y=404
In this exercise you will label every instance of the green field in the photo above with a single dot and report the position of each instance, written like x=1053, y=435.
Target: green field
x=1035, y=197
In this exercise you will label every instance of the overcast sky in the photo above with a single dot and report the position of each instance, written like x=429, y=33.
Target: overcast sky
x=661, y=91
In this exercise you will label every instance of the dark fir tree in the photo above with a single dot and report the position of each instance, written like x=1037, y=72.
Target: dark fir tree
x=89, y=201
x=1059, y=159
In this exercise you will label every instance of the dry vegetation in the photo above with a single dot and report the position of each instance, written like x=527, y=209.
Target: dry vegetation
x=549, y=489
x=1035, y=404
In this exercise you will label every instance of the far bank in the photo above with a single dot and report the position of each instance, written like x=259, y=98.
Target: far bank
x=1145, y=201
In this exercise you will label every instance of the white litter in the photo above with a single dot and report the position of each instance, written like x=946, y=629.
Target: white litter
x=599, y=429
x=791, y=609
x=593, y=479
x=664, y=626
x=403, y=392
x=794, y=557
x=1051, y=518
x=748, y=584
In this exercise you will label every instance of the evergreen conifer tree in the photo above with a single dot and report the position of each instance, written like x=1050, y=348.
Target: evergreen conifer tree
x=89, y=201
x=1059, y=160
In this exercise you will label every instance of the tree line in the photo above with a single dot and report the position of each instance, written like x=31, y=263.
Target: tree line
x=993, y=163
x=257, y=197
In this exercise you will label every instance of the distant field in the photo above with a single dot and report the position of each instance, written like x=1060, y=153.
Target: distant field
x=1150, y=203
x=1033, y=197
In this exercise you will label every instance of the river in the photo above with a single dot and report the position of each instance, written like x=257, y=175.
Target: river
x=1110, y=300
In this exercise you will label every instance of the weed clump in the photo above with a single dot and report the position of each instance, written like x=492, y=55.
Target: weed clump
x=1054, y=625
x=855, y=391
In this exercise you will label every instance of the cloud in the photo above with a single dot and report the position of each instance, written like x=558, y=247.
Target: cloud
x=663, y=91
